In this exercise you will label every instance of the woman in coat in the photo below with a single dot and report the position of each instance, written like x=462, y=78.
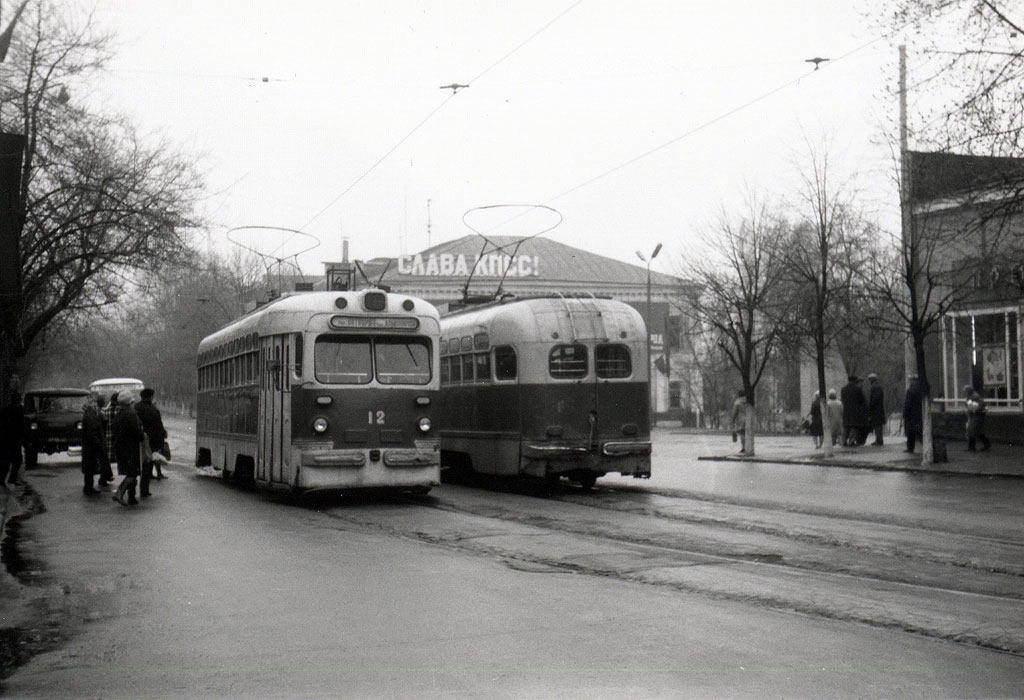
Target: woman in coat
x=817, y=428
x=127, y=434
x=93, y=445
x=835, y=416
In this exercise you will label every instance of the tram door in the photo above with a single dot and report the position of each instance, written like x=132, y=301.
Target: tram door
x=275, y=409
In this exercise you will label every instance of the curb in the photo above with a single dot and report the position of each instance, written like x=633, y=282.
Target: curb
x=857, y=465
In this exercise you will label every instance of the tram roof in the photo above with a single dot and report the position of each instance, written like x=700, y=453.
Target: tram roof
x=312, y=302
x=522, y=308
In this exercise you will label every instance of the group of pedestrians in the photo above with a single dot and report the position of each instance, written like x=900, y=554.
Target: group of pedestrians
x=12, y=437
x=128, y=433
x=852, y=417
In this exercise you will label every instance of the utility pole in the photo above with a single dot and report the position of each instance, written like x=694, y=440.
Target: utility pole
x=909, y=249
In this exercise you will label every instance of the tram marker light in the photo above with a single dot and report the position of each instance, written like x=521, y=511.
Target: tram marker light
x=324, y=400
x=422, y=400
x=375, y=301
x=341, y=302
x=408, y=305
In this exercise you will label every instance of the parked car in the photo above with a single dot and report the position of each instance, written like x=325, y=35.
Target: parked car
x=53, y=421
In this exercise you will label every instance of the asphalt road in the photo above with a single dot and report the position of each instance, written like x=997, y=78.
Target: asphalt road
x=731, y=586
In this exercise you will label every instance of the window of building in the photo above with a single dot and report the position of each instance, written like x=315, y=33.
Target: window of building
x=981, y=348
x=675, y=394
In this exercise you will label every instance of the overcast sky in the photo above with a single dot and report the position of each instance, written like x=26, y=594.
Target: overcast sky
x=637, y=121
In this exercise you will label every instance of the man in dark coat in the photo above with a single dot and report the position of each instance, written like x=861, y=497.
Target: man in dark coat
x=912, y=415
x=876, y=408
x=12, y=436
x=855, y=413
x=92, y=445
x=153, y=425
x=975, y=404
x=106, y=471
x=128, y=434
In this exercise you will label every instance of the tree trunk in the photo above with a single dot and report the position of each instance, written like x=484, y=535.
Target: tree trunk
x=748, y=431
x=927, y=443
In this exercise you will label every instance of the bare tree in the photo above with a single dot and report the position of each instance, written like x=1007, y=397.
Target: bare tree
x=969, y=72
x=98, y=203
x=738, y=282
x=826, y=249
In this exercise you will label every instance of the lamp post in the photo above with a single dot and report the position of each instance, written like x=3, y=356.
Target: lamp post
x=647, y=322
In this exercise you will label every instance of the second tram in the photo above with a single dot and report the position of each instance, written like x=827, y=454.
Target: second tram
x=323, y=391
x=546, y=387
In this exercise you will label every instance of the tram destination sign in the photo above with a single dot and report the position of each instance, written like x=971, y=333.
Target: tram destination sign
x=461, y=265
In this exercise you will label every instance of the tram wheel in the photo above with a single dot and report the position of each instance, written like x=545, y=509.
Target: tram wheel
x=587, y=480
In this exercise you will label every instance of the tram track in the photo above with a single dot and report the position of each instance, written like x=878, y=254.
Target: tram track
x=895, y=578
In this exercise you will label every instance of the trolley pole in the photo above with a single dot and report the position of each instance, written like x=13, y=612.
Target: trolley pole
x=647, y=322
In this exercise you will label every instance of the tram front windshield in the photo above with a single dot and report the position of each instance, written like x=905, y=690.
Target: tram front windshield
x=351, y=359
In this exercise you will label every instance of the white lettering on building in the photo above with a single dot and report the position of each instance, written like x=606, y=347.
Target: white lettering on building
x=452, y=265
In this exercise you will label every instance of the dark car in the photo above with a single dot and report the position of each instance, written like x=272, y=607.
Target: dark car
x=53, y=421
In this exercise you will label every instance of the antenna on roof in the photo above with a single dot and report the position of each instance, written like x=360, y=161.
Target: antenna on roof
x=499, y=248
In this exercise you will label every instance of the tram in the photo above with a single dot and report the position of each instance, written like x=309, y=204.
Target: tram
x=322, y=391
x=546, y=387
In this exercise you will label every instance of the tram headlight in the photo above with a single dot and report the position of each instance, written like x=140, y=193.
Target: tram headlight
x=320, y=425
x=424, y=425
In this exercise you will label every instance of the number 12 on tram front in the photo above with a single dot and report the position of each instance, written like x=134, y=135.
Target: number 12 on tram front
x=323, y=391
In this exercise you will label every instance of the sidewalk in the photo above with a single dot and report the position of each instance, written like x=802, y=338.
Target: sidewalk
x=1001, y=460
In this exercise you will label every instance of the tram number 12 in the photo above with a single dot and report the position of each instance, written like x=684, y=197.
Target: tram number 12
x=375, y=417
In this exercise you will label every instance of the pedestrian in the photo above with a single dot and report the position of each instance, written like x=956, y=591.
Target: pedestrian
x=876, y=407
x=108, y=413
x=93, y=445
x=912, y=413
x=835, y=416
x=12, y=437
x=153, y=425
x=855, y=412
x=739, y=419
x=817, y=427
x=975, y=419
x=106, y=471
x=128, y=436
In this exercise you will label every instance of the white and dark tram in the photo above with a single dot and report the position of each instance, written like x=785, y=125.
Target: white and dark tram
x=323, y=391
x=546, y=387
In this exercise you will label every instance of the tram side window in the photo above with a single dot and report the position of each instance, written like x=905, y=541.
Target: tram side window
x=456, y=370
x=504, y=363
x=402, y=360
x=612, y=362
x=467, y=369
x=483, y=366
x=568, y=361
x=342, y=359
x=446, y=370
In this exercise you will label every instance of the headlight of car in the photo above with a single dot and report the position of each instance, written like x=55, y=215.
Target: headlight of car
x=78, y=425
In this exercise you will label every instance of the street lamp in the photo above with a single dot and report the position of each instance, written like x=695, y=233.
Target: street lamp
x=647, y=322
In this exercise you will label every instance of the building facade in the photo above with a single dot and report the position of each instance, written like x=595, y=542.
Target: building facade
x=472, y=268
x=968, y=215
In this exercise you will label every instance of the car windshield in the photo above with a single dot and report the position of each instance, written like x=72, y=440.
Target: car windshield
x=56, y=404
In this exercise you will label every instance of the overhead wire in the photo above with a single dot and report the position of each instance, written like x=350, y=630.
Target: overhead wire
x=427, y=118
